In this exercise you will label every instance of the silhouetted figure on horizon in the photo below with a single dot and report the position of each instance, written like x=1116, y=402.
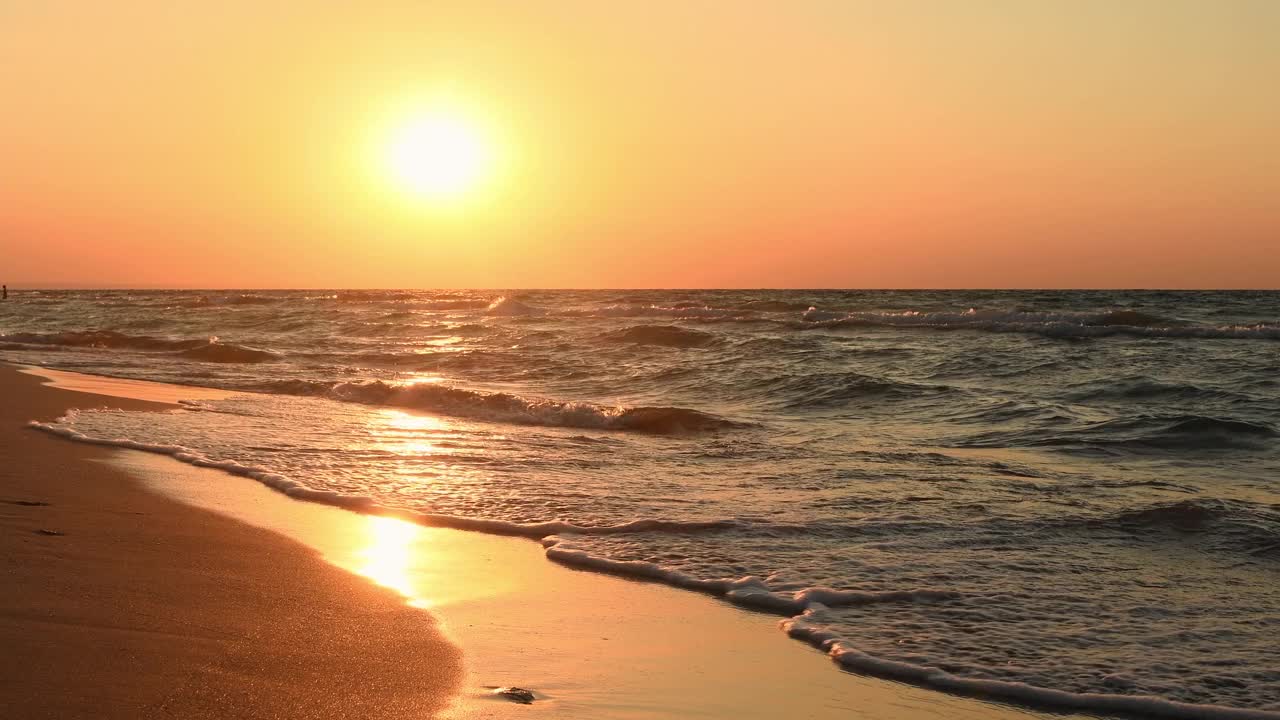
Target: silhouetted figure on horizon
x=4, y=292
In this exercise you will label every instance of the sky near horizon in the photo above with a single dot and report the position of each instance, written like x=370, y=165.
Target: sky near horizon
x=672, y=143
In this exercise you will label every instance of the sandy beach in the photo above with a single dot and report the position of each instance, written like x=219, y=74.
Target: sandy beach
x=120, y=603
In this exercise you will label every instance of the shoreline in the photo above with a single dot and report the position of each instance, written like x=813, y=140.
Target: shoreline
x=532, y=622
x=574, y=682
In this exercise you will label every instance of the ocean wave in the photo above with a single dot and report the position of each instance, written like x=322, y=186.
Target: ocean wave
x=25, y=347
x=218, y=352
x=548, y=531
x=511, y=307
x=396, y=316
x=1145, y=388
x=1055, y=325
x=459, y=304
x=1130, y=318
x=383, y=329
x=1167, y=433
x=207, y=350
x=773, y=306
x=1253, y=528
x=664, y=335
x=839, y=388
x=686, y=311
x=555, y=535
x=1185, y=515
x=370, y=296
x=407, y=301
x=508, y=408
x=102, y=339
x=230, y=300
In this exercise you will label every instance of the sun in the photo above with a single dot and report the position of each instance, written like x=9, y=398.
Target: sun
x=438, y=155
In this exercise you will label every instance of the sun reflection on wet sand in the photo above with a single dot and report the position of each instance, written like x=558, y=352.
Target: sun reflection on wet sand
x=388, y=556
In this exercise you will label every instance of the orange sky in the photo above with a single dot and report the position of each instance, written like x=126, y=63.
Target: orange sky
x=672, y=143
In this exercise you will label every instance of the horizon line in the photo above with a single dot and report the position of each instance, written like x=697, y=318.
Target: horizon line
x=635, y=288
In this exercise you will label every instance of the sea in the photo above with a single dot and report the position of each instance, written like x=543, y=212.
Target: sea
x=1063, y=498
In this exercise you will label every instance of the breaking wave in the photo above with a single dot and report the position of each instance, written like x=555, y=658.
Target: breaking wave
x=214, y=351
x=509, y=408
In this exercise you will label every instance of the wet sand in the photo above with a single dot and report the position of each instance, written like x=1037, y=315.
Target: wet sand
x=588, y=645
x=117, y=602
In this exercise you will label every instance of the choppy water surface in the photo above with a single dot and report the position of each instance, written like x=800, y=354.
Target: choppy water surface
x=1076, y=491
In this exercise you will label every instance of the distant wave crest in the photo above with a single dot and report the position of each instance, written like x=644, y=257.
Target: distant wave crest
x=244, y=299
x=664, y=335
x=511, y=307
x=207, y=350
x=689, y=311
x=1060, y=325
x=840, y=388
x=214, y=351
x=1169, y=433
x=1147, y=388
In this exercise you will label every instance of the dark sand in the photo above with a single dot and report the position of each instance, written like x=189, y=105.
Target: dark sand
x=120, y=603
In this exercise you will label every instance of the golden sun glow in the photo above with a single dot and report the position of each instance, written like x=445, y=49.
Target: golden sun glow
x=438, y=155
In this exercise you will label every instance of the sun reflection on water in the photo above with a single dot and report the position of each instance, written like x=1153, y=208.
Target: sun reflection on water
x=399, y=420
x=411, y=436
